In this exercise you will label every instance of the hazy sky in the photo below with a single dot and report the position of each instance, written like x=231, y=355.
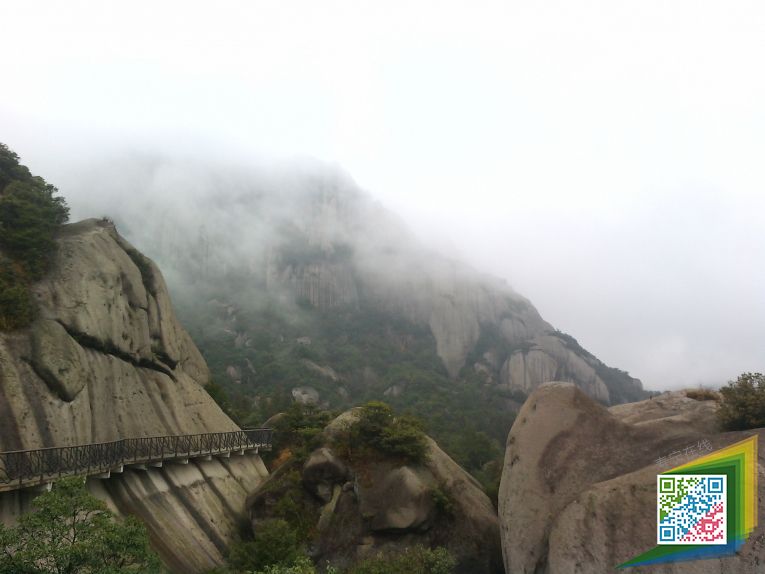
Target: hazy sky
x=604, y=157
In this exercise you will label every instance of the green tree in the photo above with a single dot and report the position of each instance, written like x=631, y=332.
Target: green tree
x=379, y=429
x=16, y=307
x=276, y=543
x=300, y=429
x=30, y=214
x=743, y=403
x=10, y=169
x=72, y=532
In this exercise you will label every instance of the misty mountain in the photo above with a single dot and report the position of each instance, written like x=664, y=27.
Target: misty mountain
x=296, y=284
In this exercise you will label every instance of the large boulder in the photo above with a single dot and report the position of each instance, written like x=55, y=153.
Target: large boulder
x=106, y=359
x=400, y=501
x=376, y=504
x=578, y=490
x=322, y=471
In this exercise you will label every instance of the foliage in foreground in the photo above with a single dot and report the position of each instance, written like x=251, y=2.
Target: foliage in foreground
x=743, y=403
x=72, y=532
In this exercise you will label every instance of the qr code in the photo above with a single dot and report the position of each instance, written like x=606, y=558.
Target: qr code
x=690, y=508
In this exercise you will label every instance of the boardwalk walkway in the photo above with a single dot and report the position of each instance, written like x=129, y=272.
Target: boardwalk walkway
x=26, y=468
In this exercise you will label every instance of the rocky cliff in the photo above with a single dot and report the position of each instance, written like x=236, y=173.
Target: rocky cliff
x=578, y=490
x=308, y=234
x=106, y=359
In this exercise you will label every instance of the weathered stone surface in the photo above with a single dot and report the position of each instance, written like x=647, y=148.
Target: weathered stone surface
x=107, y=359
x=305, y=395
x=548, y=360
x=385, y=506
x=322, y=471
x=59, y=360
x=578, y=490
x=401, y=500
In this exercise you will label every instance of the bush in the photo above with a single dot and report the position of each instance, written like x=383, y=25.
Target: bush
x=300, y=429
x=301, y=566
x=379, y=429
x=743, y=403
x=702, y=395
x=276, y=543
x=16, y=307
x=417, y=560
x=30, y=214
x=29, y=217
x=43, y=541
x=443, y=501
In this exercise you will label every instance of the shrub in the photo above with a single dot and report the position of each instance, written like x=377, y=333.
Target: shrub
x=379, y=429
x=300, y=429
x=743, y=403
x=702, y=395
x=221, y=398
x=417, y=560
x=29, y=217
x=276, y=543
x=44, y=541
x=443, y=501
x=30, y=214
x=16, y=308
x=301, y=566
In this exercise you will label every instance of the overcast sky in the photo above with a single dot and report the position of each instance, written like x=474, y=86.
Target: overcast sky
x=607, y=158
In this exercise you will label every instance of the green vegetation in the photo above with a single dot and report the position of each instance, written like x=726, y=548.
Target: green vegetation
x=30, y=214
x=300, y=566
x=276, y=543
x=221, y=398
x=299, y=429
x=71, y=532
x=702, y=395
x=743, y=403
x=16, y=306
x=443, y=501
x=417, y=560
x=379, y=430
x=376, y=355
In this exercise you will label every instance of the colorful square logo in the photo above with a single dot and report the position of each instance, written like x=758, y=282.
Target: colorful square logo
x=706, y=508
x=690, y=509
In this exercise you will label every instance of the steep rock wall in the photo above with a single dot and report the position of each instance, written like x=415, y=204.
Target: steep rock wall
x=106, y=359
x=309, y=234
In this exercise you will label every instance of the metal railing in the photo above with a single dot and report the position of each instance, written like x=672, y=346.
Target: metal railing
x=23, y=468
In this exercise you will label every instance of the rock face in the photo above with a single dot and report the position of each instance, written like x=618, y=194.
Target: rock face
x=578, y=491
x=379, y=505
x=312, y=233
x=106, y=359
